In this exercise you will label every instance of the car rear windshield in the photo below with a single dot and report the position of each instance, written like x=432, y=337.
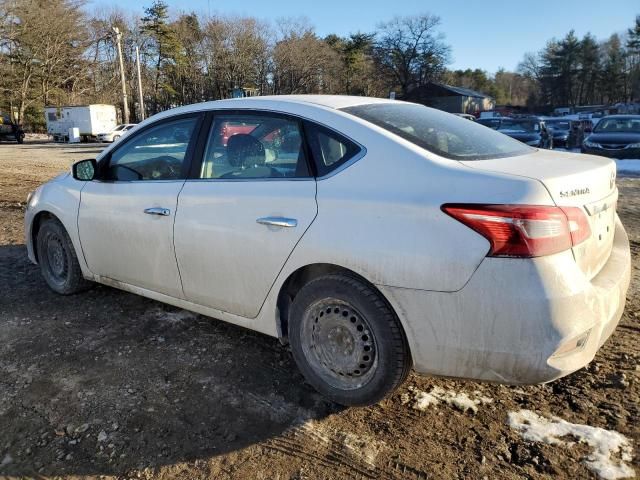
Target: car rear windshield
x=441, y=133
x=518, y=126
x=558, y=125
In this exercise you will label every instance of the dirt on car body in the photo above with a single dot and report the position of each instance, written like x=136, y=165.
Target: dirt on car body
x=107, y=383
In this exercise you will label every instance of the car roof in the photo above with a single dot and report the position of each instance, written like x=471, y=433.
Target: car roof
x=621, y=117
x=331, y=101
x=276, y=101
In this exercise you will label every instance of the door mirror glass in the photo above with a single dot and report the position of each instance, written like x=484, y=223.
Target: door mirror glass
x=84, y=170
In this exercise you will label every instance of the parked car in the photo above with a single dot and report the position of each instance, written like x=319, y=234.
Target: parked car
x=10, y=131
x=371, y=235
x=466, y=116
x=560, y=130
x=616, y=136
x=116, y=133
x=491, y=122
x=529, y=130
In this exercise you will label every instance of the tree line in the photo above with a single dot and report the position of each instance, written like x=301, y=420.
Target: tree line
x=52, y=52
x=55, y=52
x=582, y=71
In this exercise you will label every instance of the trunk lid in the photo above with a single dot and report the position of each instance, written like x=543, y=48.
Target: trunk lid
x=576, y=180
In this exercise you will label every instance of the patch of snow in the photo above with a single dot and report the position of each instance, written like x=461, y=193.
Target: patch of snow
x=628, y=167
x=459, y=400
x=172, y=317
x=326, y=440
x=605, y=443
x=362, y=447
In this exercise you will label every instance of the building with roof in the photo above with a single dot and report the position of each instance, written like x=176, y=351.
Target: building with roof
x=450, y=99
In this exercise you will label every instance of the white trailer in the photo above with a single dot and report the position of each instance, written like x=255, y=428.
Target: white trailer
x=90, y=120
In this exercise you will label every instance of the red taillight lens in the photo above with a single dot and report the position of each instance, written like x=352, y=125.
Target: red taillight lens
x=524, y=230
x=578, y=224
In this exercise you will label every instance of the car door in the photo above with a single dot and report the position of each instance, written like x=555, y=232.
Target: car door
x=126, y=215
x=239, y=219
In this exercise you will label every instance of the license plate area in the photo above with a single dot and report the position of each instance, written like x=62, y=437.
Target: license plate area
x=603, y=224
x=602, y=216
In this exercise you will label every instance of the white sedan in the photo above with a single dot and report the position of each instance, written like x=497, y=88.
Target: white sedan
x=115, y=134
x=372, y=235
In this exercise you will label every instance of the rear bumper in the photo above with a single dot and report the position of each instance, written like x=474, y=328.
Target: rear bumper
x=512, y=316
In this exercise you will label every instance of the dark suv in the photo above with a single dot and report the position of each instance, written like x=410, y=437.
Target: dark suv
x=10, y=131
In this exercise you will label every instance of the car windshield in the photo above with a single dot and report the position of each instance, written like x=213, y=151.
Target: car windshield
x=518, y=126
x=118, y=128
x=558, y=125
x=618, y=125
x=441, y=133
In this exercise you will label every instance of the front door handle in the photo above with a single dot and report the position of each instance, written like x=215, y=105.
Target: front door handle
x=278, y=221
x=157, y=211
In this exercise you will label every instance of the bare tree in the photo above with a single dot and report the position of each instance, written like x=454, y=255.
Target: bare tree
x=302, y=62
x=410, y=50
x=42, y=50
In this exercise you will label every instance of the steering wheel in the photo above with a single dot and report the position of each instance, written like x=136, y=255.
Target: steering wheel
x=165, y=167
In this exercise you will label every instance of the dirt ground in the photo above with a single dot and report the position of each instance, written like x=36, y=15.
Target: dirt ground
x=108, y=384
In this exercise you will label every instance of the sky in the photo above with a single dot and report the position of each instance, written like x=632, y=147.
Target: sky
x=486, y=34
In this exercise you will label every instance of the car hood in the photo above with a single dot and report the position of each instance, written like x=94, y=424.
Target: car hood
x=619, y=138
x=560, y=133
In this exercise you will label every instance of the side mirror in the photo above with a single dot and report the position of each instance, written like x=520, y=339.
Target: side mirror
x=84, y=170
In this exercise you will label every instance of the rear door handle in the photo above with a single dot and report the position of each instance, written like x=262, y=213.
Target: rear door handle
x=278, y=221
x=157, y=211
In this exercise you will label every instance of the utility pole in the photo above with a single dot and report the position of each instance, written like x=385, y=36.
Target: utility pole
x=140, y=98
x=125, y=104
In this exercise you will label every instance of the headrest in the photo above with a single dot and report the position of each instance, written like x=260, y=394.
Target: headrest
x=243, y=150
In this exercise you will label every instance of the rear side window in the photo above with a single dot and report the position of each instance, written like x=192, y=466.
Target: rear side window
x=329, y=149
x=246, y=146
x=441, y=133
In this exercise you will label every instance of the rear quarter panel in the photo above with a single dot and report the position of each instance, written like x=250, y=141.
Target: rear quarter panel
x=381, y=216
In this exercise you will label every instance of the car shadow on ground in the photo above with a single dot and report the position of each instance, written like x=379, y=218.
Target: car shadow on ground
x=104, y=381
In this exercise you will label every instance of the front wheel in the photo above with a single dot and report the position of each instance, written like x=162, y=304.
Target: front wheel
x=58, y=261
x=346, y=340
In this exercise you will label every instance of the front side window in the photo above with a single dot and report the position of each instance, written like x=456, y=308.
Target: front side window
x=243, y=146
x=157, y=153
x=441, y=133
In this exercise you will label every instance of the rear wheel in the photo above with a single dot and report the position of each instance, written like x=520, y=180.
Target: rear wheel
x=58, y=261
x=347, y=341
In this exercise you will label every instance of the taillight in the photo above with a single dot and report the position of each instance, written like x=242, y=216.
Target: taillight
x=524, y=230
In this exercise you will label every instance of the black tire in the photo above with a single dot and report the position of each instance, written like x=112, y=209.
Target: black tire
x=347, y=341
x=20, y=138
x=58, y=261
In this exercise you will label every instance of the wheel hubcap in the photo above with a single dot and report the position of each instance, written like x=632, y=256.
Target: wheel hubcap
x=341, y=346
x=56, y=257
